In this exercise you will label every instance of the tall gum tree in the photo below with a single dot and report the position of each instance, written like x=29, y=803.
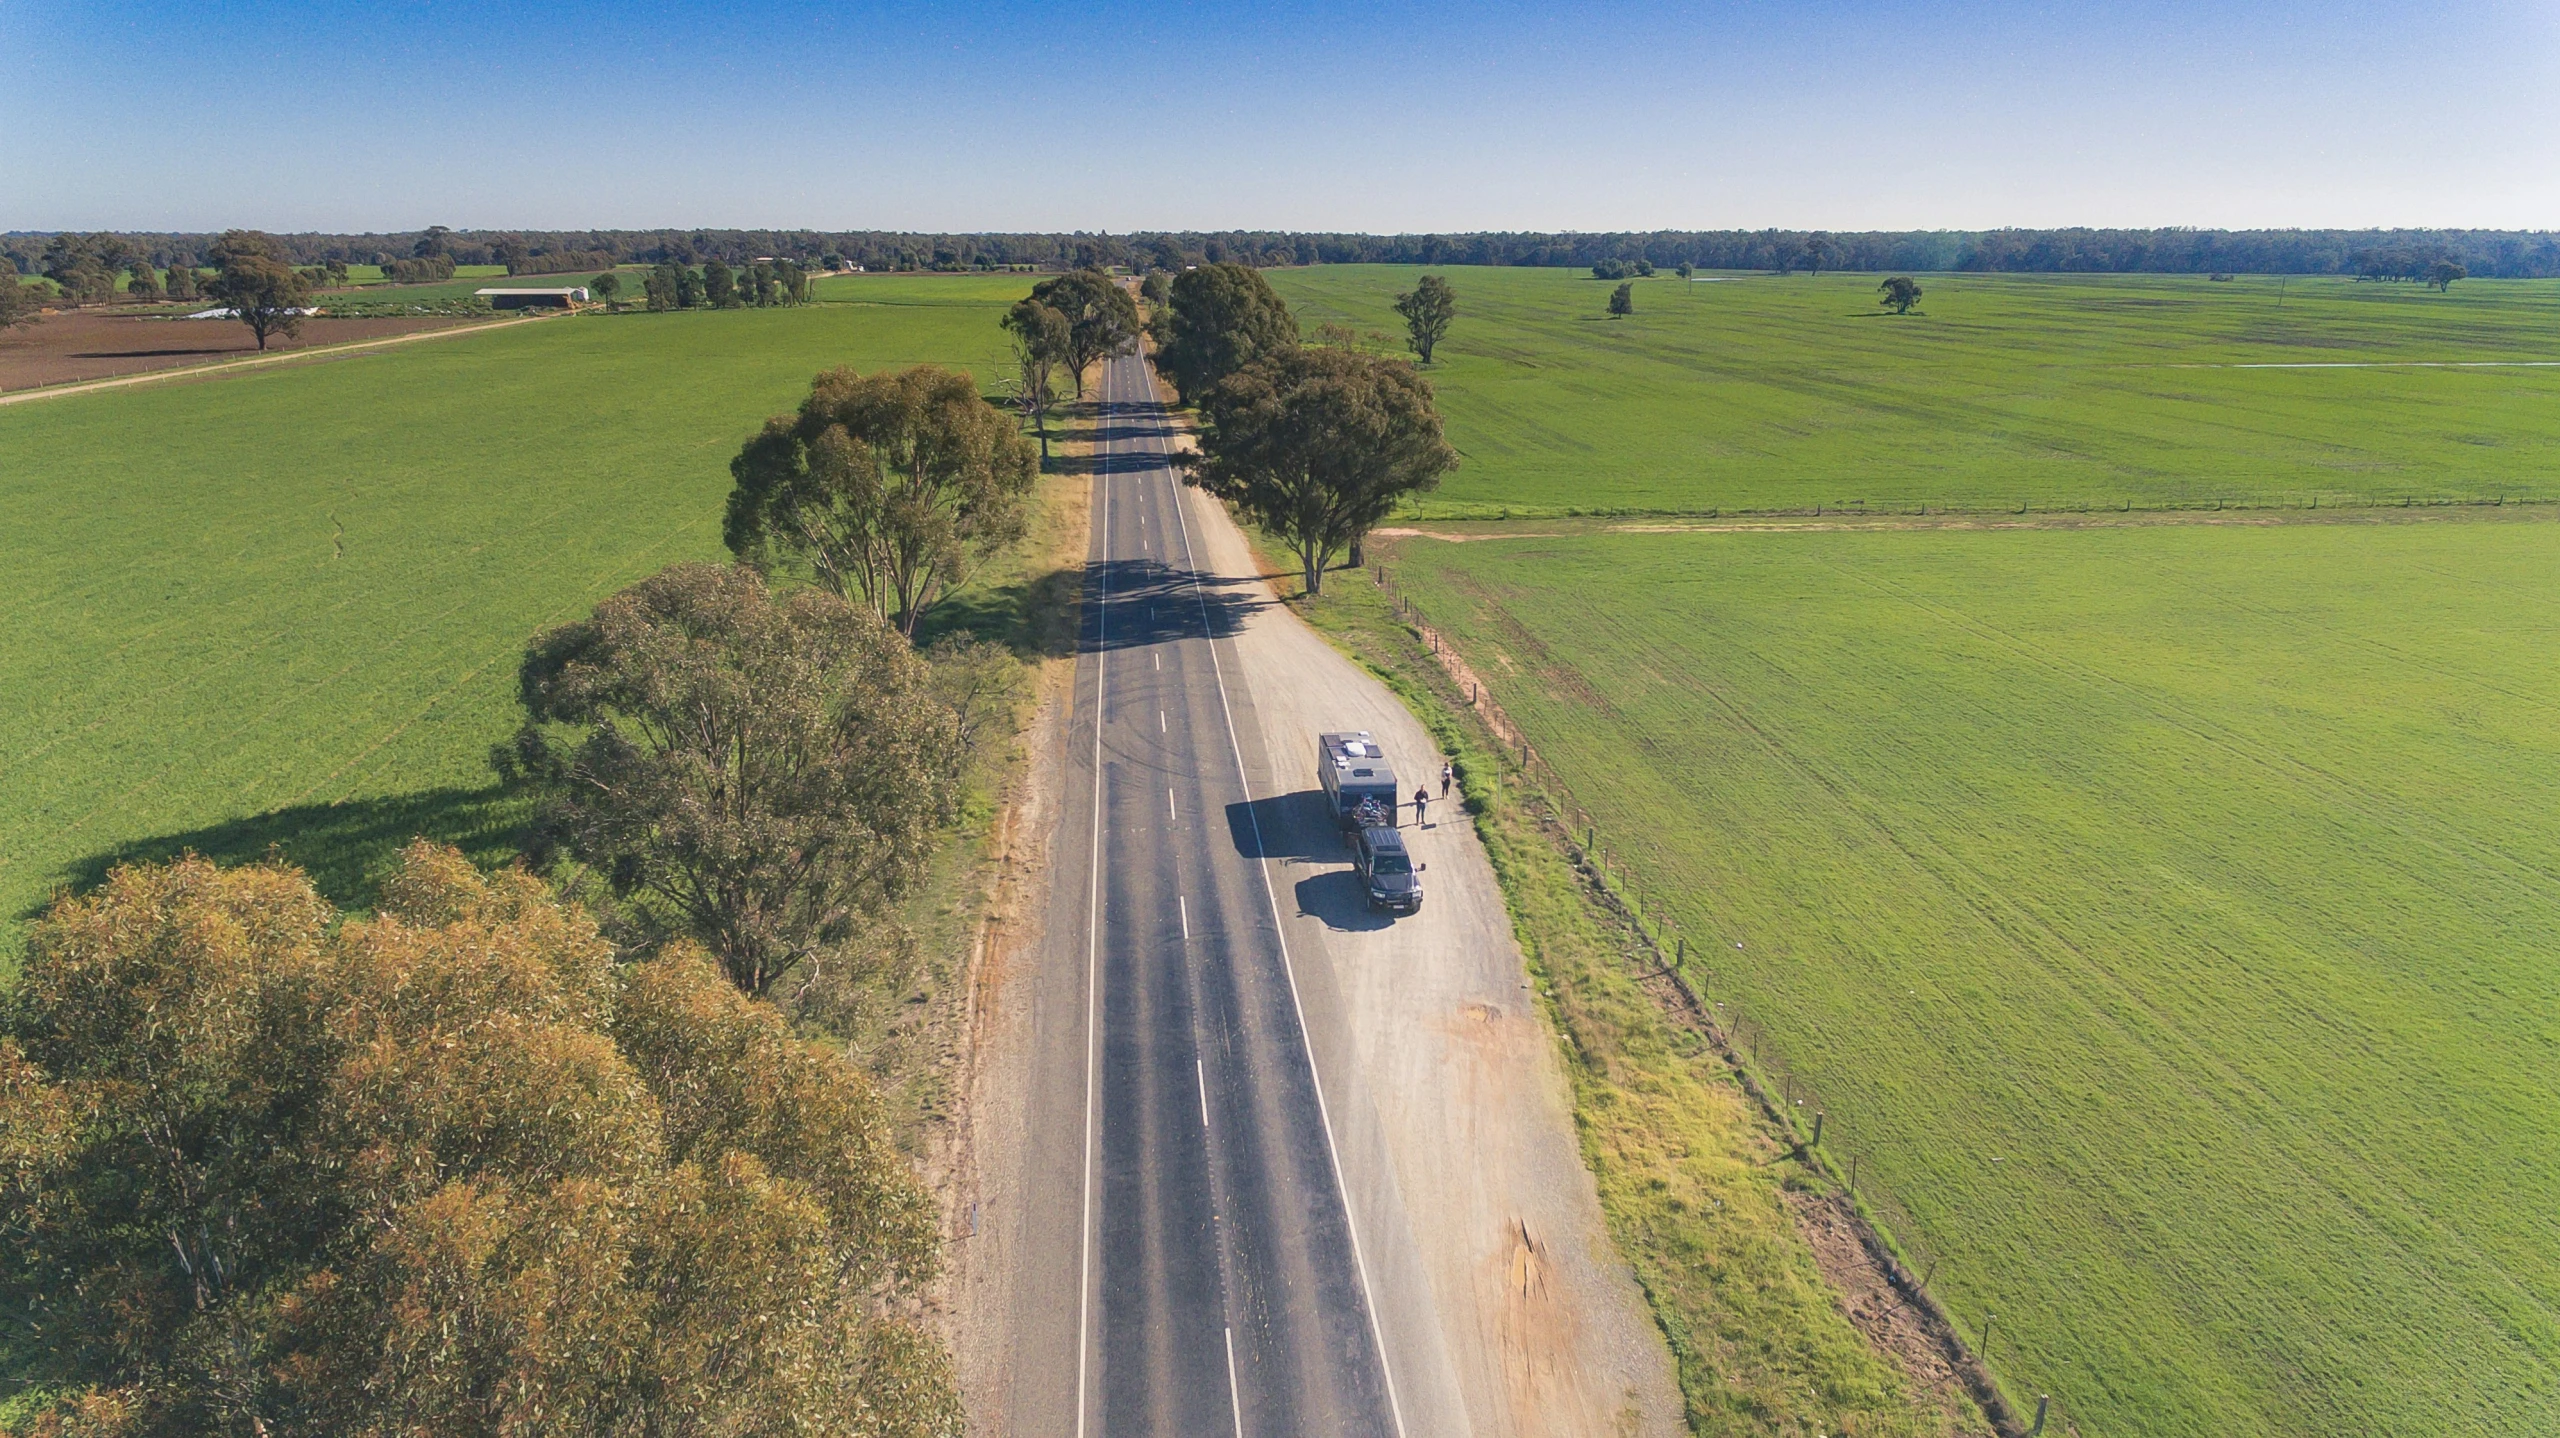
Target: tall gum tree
x=1428, y=309
x=252, y=278
x=1219, y=319
x=1318, y=446
x=1102, y=320
x=761, y=774
x=892, y=487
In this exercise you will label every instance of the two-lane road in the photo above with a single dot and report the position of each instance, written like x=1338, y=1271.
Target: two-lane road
x=1201, y=1270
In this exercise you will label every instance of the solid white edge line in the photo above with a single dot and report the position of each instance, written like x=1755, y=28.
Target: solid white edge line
x=1235, y=1398
x=1092, y=971
x=1271, y=898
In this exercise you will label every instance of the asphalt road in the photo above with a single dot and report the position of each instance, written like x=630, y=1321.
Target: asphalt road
x=1203, y=1264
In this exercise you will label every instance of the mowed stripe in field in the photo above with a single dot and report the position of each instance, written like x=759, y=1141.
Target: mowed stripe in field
x=1773, y=392
x=2166, y=916
x=310, y=585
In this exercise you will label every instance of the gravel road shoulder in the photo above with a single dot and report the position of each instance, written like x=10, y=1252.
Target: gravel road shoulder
x=1543, y=1325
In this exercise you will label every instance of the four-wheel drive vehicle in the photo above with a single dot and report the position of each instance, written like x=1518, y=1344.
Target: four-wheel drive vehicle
x=1353, y=770
x=1394, y=880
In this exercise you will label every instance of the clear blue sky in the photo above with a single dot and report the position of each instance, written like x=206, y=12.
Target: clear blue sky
x=1385, y=115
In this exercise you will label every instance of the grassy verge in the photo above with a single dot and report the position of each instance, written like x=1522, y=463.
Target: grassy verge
x=1699, y=1190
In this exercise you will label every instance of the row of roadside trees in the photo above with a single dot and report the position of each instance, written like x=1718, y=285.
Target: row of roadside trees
x=1316, y=445
x=1066, y=326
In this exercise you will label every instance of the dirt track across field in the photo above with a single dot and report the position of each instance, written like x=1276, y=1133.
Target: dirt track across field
x=73, y=353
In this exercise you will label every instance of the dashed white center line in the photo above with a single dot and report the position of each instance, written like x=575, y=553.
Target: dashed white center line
x=1159, y=661
x=1169, y=815
x=1160, y=722
x=1202, y=1070
x=1185, y=905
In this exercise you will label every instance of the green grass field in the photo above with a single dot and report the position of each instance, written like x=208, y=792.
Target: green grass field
x=1765, y=393
x=287, y=605
x=2165, y=914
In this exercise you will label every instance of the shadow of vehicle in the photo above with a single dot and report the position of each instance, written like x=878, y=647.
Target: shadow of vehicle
x=1293, y=828
x=1339, y=899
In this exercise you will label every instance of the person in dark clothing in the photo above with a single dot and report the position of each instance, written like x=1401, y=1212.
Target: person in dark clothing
x=1448, y=772
x=1421, y=797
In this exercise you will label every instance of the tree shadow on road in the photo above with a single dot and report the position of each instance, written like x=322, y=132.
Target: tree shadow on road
x=1151, y=602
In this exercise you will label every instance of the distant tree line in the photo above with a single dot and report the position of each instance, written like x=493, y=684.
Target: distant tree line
x=560, y=262
x=2499, y=254
x=423, y=270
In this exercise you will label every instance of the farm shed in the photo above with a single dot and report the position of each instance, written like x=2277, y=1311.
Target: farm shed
x=557, y=299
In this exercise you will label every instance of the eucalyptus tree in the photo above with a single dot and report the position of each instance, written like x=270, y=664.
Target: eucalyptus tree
x=252, y=278
x=450, y=1167
x=1219, y=319
x=1102, y=320
x=759, y=773
x=1317, y=446
x=1427, y=309
x=892, y=488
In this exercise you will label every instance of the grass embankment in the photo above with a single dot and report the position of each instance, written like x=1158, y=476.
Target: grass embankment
x=1693, y=1182
x=1769, y=393
x=2163, y=916
x=285, y=606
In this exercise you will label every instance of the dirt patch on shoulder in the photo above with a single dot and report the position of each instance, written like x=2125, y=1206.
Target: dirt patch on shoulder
x=70, y=347
x=1875, y=1307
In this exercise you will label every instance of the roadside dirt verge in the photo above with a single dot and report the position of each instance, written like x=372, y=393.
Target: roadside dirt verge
x=1457, y=1116
x=972, y=1154
x=1851, y=521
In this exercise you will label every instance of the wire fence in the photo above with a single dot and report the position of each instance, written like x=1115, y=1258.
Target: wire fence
x=1823, y=1136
